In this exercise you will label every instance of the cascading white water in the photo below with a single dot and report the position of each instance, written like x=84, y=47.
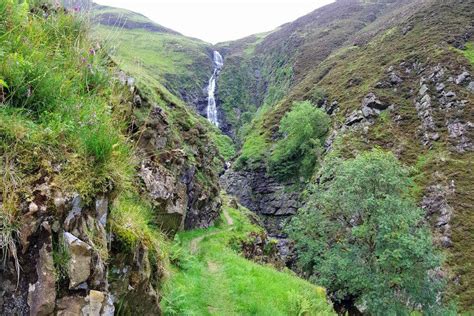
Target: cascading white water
x=211, y=89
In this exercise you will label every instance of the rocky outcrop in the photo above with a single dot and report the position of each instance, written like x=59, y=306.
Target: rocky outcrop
x=435, y=204
x=271, y=200
x=74, y=284
x=79, y=263
x=185, y=193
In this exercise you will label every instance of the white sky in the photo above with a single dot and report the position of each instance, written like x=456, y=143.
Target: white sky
x=219, y=20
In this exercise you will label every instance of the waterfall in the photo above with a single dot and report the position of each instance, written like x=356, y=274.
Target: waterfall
x=211, y=89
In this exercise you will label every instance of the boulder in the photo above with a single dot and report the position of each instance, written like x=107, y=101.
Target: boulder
x=94, y=300
x=369, y=112
x=450, y=94
x=423, y=89
x=440, y=87
x=394, y=79
x=70, y=306
x=79, y=265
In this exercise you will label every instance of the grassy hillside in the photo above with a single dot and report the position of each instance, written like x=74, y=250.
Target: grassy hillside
x=182, y=64
x=211, y=278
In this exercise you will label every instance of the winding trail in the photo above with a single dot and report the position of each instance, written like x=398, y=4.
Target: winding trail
x=194, y=244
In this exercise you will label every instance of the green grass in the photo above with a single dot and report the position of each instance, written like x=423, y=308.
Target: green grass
x=218, y=281
x=133, y=222
x=224, y=144
x=469, y=52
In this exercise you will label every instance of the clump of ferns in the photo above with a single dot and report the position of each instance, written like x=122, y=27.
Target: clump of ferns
x=9, y=183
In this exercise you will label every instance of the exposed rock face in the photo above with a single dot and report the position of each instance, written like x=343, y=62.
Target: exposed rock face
x=371, y=101
x=264, y=195
x=96, y=303
x=42, y=294
x=79, y=265
x=171, y=180
x=436, y=206
x=461, y=133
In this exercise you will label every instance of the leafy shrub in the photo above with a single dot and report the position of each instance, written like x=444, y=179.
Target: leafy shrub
x=363, y=237
x=303, y=129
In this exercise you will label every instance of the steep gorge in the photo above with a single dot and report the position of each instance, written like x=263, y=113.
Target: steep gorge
x=396, y=74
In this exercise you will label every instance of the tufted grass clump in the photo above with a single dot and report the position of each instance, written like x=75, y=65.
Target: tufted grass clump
x=133, y=223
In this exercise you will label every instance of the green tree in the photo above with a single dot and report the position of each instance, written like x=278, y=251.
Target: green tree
x=363, y=238
x=304, y=129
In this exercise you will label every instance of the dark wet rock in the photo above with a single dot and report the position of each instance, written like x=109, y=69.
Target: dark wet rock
x=373, y=102
x=263, y=195
x=42, y=293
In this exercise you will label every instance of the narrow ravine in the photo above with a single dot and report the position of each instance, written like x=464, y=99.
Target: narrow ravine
x=211, y=90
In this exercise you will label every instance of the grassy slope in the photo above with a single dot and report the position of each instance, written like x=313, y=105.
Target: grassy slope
x=350, y=72
x=180, y=63
x=218, y=281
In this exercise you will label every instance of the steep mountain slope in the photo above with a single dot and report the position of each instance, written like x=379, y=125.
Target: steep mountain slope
x=393, y=74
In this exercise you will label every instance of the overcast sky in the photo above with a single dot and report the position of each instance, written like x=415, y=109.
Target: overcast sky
x=220, y=20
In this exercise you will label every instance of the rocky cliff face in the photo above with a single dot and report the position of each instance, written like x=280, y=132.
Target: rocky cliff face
x=183, y=186
x=273, y=201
